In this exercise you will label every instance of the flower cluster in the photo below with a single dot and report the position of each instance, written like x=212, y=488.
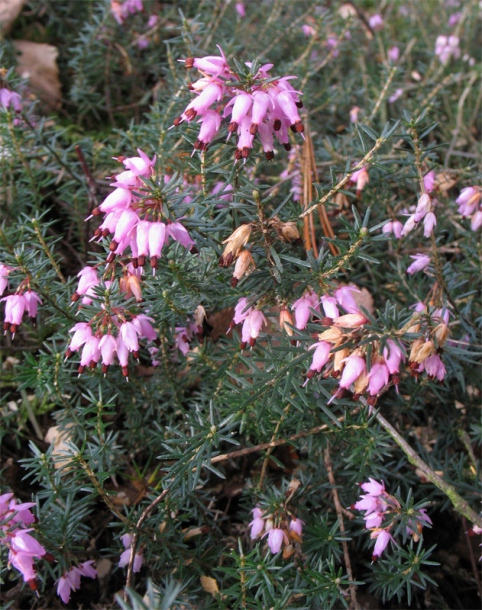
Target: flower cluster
x=123, y=9
x=258, y=105
x=22, y=547
x=253, y=321
x=341, y=351
x=126, y=555
x=286, y=232
x=24, y=300
x=10, y=100
x=108, y=334
x=70, y=581
x=423, y=211
x=281, y=532
x=379, y=505
x=136, y=221
x=470, y=205
x=447, y=47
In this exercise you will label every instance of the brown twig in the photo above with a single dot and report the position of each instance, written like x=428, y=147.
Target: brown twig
x=281, y=441
x=343, y=181
x=473, y=562
x=460, y=505
x=339, y=512
x=135, y=537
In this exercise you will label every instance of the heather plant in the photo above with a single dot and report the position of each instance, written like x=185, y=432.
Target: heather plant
x=240, y=293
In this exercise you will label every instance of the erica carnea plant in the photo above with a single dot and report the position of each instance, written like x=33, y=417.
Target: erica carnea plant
x=239, y=276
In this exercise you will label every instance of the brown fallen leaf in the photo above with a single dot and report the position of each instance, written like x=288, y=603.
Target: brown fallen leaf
x=209, y=585
x=37, y=62
x=444, y=181
x=9, y=11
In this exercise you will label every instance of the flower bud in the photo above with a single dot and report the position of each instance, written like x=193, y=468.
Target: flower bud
x=285, y=319
x=421, y=350
x=244, y=265
x=235, y=242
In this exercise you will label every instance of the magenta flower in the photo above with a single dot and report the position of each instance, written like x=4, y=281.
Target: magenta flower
x=395, y=227
x=211, y=122
x=126, y=555
x=241, y=311
x=393, y=355
x=382, y=537
x=257, y=524
x=429, y=223
x=354, y=367
x=393, y=54
x=373, y=488
x=376, y=22
x=302, y=308
x=420, y=261
x=321, y=355
x=330, y=306
x=344, y=296
x=252, y=327
x=4, y=271
x=276, y=537
x=468, y=200
x=377, y=378
x=429, y=181
x=179, y=233
x=296, y=526
x=32, y=300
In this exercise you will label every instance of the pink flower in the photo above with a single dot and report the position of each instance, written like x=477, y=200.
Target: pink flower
x=344, y=296
x=354, y=114
x=296, y=526
x=211, y=122
x=32, y=300
x=393, y=54
x=276, y=536
x=382, y=539
x=429, y=223
x=393, y=355
x=308, y=30
x=361, y=178
x=397, y=94
x=82, y=332
x=108, y=347
x=241, y=311
x=423, y=207
x=302, y=308
x=330, y=306
x=377, y=378
x=15, y=305
x=429, y=181
x=420, y=262
x=476, y=221
x=257, y=524
x=376, y=22
x=468, y=200
x=354, y=367
x=252, y=326
x=320, y=356
x=129, y=334
x=156, y=241
x=240, y=9
x=90, y=353
x=409, y=225
x=373, y=520
x=180, y=234
x=4, y=271
x=373, y=488
x=395, y=227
